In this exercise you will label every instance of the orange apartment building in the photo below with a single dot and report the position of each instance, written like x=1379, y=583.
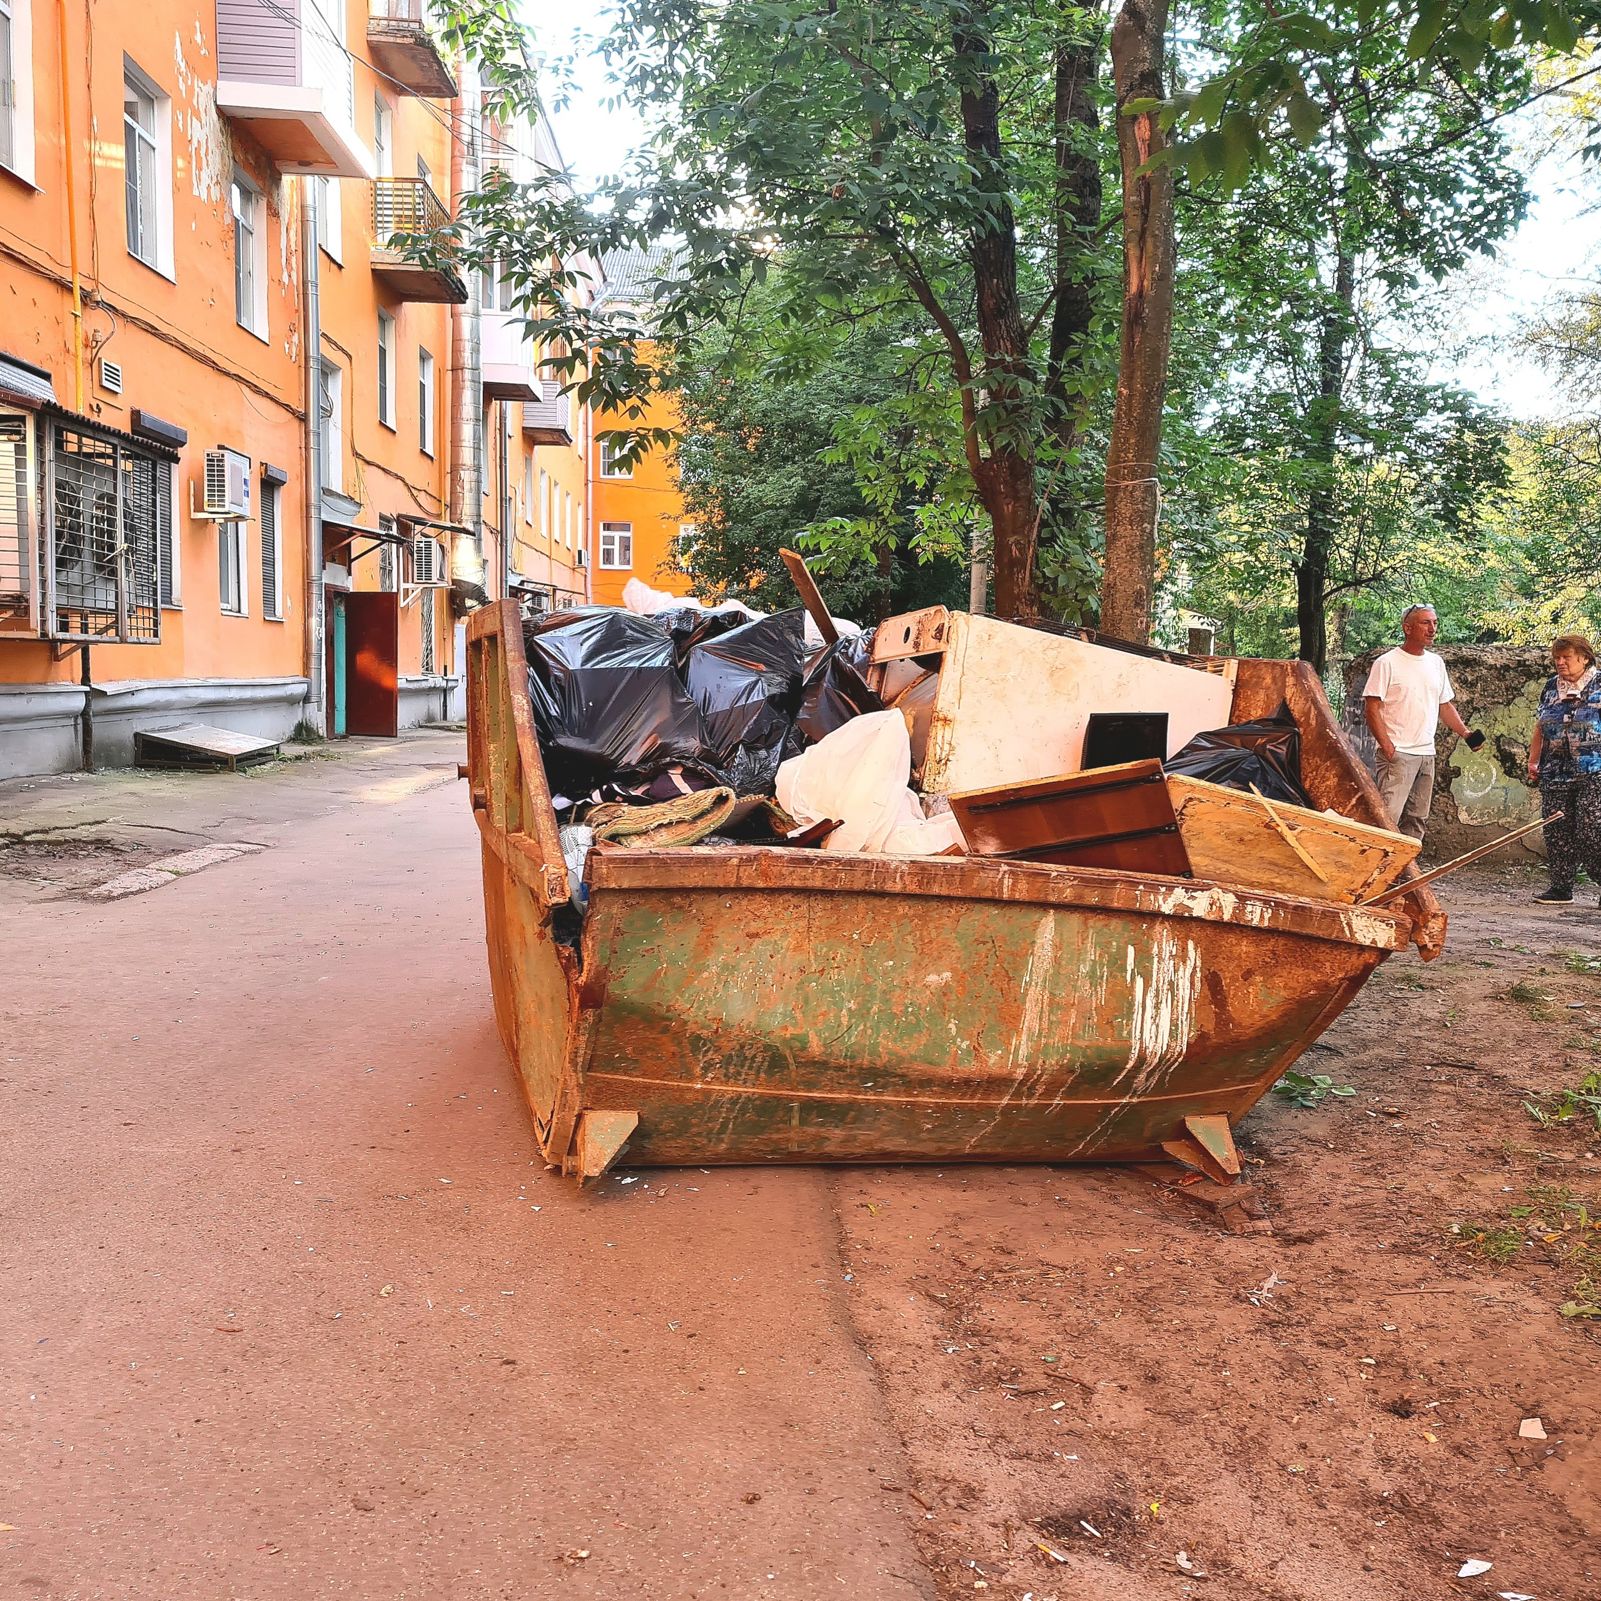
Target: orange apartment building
x=244, y=478
x=637, y=522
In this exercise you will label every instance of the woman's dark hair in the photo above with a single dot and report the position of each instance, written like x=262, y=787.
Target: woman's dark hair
x=1576, y=643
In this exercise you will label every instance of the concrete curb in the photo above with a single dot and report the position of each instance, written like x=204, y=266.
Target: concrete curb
x=163, y=871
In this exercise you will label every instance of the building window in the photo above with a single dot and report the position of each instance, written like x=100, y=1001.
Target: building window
x=544, y=507
x=383, y=136
x=231, y=568
x=617, y=545
x=249, y=256
x=425, y=402
x=567, y=519
x=169, y=555
x=271, y=555
x=609, y=451
x=528, y=486
x=331, y=435
x=147, y=169
x=427, y=615
x=16, y=87
x=386, y=369
x=19, y=559
x=330, y=220
x=388, y=565
x=687, y=533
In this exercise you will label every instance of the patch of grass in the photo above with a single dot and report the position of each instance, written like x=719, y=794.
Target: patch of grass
x=1579, y=1102
x=1579, y=962
x=1531, y=996
x=1553, y=1226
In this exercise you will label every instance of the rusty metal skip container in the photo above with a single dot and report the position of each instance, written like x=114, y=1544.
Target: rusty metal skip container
x=759, y=1004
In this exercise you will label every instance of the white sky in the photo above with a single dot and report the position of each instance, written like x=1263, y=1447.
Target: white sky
x=1558, y=246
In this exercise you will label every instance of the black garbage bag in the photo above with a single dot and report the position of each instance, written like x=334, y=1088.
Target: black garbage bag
x=747, y=685
x=609, y=706
x=689, y=625
x=835, y=688
x=1266, y=753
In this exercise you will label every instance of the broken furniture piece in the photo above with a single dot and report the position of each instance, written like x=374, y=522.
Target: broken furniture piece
x=1114, y=817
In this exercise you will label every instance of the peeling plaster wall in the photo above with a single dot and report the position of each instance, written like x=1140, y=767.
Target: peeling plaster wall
x=1477, y=794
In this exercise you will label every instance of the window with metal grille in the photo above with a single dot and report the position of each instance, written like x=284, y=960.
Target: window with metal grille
x=104, y=509
x=271, y=558
x=427, y=614
x=19, y=582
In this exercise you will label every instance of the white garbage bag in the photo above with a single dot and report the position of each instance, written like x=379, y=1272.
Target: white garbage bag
x=858, y=775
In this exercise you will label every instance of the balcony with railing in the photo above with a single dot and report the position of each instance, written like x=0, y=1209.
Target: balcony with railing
x=284, y=75
x=410, y=253
x=402, y=45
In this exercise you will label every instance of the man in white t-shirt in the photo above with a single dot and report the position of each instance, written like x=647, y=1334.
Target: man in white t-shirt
x=1407, y=696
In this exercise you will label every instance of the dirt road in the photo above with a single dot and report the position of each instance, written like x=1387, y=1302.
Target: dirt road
x=290, y=1312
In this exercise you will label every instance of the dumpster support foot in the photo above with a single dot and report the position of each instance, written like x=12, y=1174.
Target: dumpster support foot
x=599, y=1142
x=1207, y=1145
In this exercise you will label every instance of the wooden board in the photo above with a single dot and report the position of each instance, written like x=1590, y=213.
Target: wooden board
x=1232, y=838
x=1013, y=702
x=1117, y=817
x=200, y=745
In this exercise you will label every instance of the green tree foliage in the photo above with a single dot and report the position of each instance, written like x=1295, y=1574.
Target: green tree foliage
x=827, y=436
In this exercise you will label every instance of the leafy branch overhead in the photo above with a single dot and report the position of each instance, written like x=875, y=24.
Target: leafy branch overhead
x=1287, y=74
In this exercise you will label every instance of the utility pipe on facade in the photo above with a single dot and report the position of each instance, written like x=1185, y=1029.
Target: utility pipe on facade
x=69, y=158
x=467, y=387
x=316, y=712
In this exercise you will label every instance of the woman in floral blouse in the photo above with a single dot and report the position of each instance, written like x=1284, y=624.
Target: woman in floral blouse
x=1565, y=761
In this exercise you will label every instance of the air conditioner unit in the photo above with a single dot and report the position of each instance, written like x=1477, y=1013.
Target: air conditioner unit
x=428, y=566
x=582, y=557
x=227, y=486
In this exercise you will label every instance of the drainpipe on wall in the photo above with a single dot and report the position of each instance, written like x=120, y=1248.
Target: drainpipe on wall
x=316, y=710
x=69, y=163
x=466, y=370
x=87, y=726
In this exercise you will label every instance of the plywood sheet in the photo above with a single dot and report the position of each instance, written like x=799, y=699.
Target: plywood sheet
x=1013, y=702
x=1232, y=839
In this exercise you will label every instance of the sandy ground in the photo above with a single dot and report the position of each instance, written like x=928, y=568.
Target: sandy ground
x=291, y=1311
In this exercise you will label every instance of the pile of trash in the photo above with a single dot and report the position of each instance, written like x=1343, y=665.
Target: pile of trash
x=669, y=723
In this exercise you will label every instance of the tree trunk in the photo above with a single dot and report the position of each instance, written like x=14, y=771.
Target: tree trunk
x=1322, y=507
x=1005, y=477
x=1077, y=204
x=1133, y=498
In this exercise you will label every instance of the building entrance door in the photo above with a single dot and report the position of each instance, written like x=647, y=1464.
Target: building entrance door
x=372, y=662
x=338, y=683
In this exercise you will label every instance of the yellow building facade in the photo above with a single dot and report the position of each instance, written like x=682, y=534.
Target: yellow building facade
x=637, y=522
